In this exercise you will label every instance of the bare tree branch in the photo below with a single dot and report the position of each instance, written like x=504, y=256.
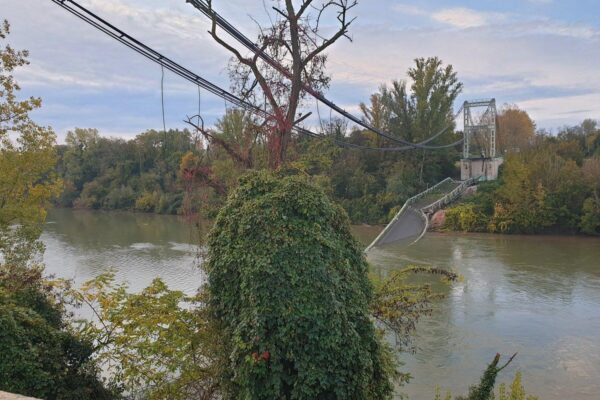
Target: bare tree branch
x=220, y=142
x=303, y=7
x=344, y=7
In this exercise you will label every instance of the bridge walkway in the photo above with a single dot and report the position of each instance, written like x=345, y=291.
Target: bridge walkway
x=411, y=222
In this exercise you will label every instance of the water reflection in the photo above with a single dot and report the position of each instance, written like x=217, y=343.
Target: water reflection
x=82, y=244
x=539, y=296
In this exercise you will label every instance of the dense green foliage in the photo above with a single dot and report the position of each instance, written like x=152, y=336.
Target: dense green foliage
x=515, y=391
x=138, y=174
x=39, y=356
x=289, y=290
x=144, y=173
x=552, y=185
x=27, y=160
x=157, y=344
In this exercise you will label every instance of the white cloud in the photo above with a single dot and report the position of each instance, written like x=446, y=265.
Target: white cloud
x=507, y=24
x=37, y=75
x=461, y=17
x=563, y=110
x=521, y=57
x=409, y=9
x=457, y=17
x=159, y=20
x=555, y=28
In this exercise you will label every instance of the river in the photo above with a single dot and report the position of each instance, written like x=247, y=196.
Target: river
x=535, y=295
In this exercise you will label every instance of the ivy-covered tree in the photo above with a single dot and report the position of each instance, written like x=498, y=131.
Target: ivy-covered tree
x=288, y=289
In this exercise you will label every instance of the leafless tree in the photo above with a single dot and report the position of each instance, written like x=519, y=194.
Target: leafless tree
x=296, y=40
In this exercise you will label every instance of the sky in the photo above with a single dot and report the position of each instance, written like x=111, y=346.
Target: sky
x=542, y=55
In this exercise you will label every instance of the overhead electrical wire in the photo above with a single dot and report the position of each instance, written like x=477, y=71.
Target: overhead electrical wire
x=165, y=62
x=205, y=9
x=153, y=55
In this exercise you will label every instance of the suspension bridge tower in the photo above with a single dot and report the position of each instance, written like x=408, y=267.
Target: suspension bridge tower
x=479, y=147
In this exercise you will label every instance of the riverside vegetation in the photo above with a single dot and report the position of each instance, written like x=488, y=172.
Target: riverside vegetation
x=238, y=337
x=548, y=184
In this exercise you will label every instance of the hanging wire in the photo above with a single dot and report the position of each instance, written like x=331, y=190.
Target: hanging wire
x=200, y=120
x=319, y=115
x=122, y=37
x=162, y=103
x=199, y=101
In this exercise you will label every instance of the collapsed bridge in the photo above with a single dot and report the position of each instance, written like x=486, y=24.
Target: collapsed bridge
x=411, y=222
x=479, y=163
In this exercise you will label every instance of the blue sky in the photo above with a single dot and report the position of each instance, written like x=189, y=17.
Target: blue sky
x=543, y=55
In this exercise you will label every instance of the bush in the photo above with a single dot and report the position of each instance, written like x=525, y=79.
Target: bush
x=516, y=391
x=147, y=202
x=39, y=356
x=120, y=198
x=288, y=288
x=465, y=218
x=590, y=220
x=91, y=195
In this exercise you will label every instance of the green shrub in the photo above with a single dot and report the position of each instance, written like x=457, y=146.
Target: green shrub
x=39, y=356
x=147, y=202
x=465, y=218
x=516, y=391
x=120, y=198
x=590, y=220
x=289, y=290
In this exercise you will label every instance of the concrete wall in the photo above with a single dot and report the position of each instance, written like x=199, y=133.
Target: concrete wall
x=474, y=167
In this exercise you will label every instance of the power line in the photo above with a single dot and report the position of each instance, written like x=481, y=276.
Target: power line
x=165, y=62
x=153, y=55
x=207, y=10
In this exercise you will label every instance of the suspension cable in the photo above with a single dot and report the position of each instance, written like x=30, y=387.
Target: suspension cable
x=207, y=10
x=165, y=62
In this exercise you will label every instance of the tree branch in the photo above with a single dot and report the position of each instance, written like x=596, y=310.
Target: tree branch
x=508, y=362
x=217, y=140
x=342, y=32
x=303, y=8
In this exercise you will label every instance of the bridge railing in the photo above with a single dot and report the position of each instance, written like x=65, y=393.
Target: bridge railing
x=449, y=197
x=412, y=200
x=407, y=204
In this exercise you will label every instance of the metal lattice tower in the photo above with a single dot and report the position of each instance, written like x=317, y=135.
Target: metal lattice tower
x=479, y=129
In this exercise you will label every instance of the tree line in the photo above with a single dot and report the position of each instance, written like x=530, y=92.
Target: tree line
x=295, y=314
x=547, y=184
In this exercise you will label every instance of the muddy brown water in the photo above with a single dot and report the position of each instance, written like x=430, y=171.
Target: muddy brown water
x=535, y=295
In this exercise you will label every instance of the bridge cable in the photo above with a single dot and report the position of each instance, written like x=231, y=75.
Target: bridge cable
x=153, y=55
x=207, y=10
